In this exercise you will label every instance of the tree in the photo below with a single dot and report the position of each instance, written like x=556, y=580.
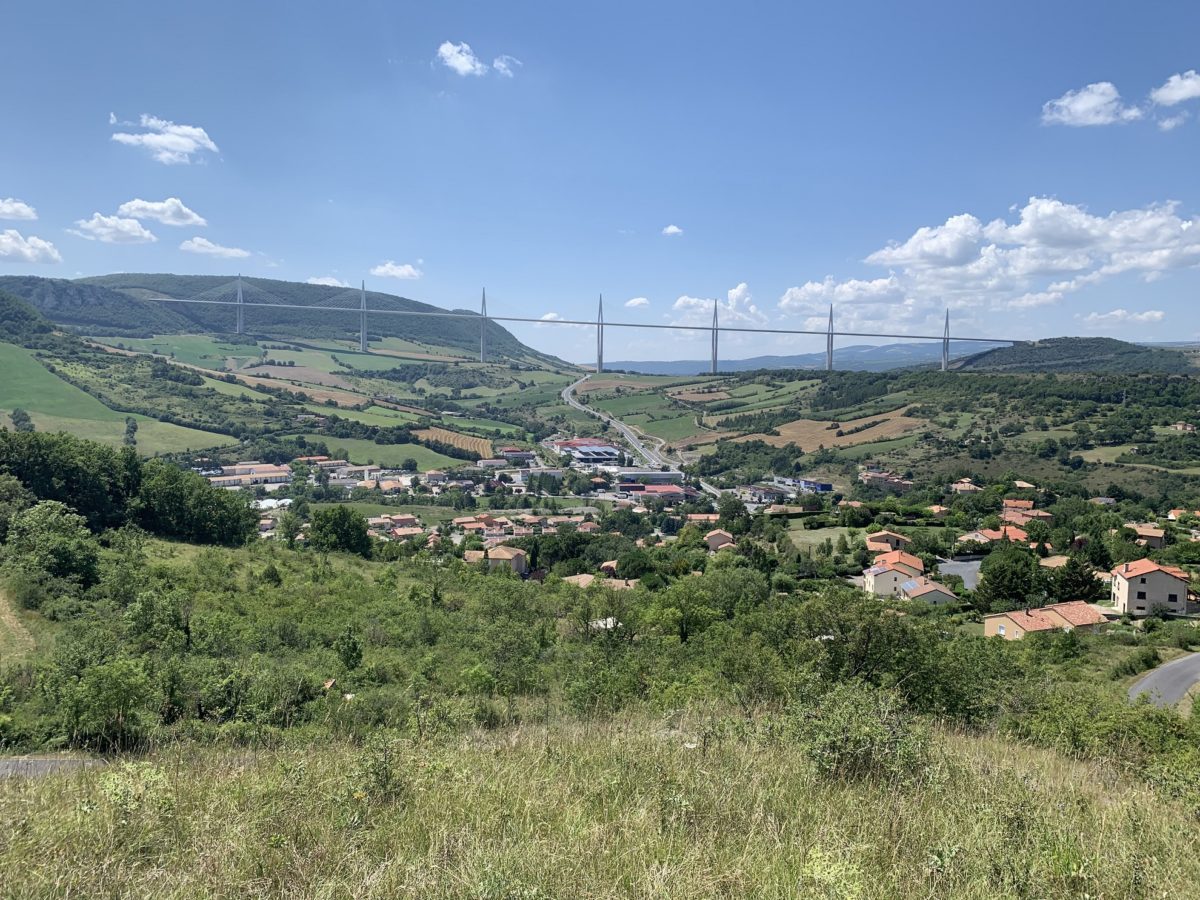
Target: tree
x=340, y=528
x=52, y=538
x=349, y=649
x=1076, y=580
x=1010, y=577
x=408, y=464
x=13, y=499
x=288, y=527
x=131, y=428
x=21, y=420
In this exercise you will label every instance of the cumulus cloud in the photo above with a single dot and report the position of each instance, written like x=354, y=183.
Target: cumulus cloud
x=506, y=65
x=636, y=302
x=1097, y=104
x=1170, y=123
x=170, y=212
x=327, y=280
x=738, y=308
x=205, y=247
x=11, y=208
x=672, y=230
x=1124, y=317
x=168, y=143
x=1177, y=89
x=16, y=248
x=389, y=269
x=461, y=59
x=113, y=230
x=1050, y=250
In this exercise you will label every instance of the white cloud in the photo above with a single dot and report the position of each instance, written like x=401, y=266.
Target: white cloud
x=461, y=58
x=11, y=208
x=1097, y=104
x=951, y=244
x=168, y=143
x=672, y=230
x=113, y=230
x=112, y=118
x=506, y=65
x=327, y=280
x=170, y=211
x=1177, y=89
x=635, y=302
x=1170, y=123
x=205, y=247
x=15, y=247
x=390, y=269
x=1124, y=317
x=738, y=308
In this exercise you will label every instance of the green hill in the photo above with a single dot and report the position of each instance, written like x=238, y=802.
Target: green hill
x=122, y=305
x=1078, y=354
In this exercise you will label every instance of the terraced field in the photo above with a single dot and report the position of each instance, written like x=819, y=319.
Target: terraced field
x=467, y=442
x=810, y=434
x=362, y=451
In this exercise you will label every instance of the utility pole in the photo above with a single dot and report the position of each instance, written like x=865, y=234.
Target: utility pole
x=483, y=328
x=600, y=336
x=241, y=320
x=362, y=319
x=946, y=344
x=714, y=338
x=829, y=343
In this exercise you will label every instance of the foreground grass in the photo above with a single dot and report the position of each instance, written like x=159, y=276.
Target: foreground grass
x=639, y=809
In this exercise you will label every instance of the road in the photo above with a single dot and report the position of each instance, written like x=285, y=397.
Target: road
x=653, y=457
x=1169, y=683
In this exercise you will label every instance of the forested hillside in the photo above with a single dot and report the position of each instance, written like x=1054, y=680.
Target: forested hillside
x=1078, y=354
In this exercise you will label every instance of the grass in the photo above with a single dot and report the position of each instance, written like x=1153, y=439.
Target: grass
x=203, y=350
x=812, y=537
x=15, y=640
x=56, y=405
x=631, y=808
x=359, y=450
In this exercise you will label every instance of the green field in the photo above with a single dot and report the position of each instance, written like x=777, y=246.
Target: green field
x=55, y=405
x=203, y=350
x=360, y=451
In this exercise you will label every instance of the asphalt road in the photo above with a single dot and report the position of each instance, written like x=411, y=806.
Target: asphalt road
x=1168, y=684
x=653, y=456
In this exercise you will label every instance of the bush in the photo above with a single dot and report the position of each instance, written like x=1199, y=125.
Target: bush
x=855, y=731
x=1142, y=659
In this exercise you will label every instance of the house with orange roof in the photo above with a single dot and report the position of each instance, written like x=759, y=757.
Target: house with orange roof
x=1148, y=535
x=1070, y=616
x=500, y=557
x=1010, y=503
x=885, y=541
x=900, y=558
x=718, y=539
x=889, y=573
x=1143, y=587
x=927, y=591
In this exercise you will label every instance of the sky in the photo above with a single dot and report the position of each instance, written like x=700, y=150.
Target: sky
x=1030, y=167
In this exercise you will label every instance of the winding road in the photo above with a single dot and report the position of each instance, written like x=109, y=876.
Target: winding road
x=1169, y=683
x=654, y=457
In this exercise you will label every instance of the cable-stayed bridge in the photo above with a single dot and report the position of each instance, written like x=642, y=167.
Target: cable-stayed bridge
x=241, y=293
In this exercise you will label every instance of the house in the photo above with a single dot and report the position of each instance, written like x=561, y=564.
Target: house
x=883, y=541
x=1011, y=503
x=1143, y=587
x=901, y=559
x=501, y=557
x=703, y=518
x=989, y=535
x=718, y=539
x=885, y=481
x=1184, y=426
x=609, y=567
x=1014, y=625
x=965, y=486
x=890, y=571
x=1024, y=486
x=586, y=581
x=1103, y=501
x=1053, y=562
x=587, y=528
x=938, y=511
x=1148, y=535
x=927, y=591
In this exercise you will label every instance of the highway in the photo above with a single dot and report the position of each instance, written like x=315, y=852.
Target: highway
x=654, y=457
x=1169, y=683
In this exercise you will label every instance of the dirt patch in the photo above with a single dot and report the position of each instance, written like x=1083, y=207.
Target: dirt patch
x=400, y=407
x=810, y=434
x=610, y=384
x=307, y=374
x=699, y=396
x=413, y=354
x=467, y=442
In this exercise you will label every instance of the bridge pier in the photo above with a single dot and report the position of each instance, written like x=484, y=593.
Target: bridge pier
x=362, y=319
x=829, y=343
x=483, y=317
x=946, y=344
x=600, y=336
x=241, y=319
x=715, y=333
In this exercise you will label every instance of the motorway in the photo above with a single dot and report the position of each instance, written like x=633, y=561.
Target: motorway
x=1169, y=683
x=654, y=457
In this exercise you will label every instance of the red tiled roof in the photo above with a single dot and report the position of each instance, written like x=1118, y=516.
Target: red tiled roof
x=899, y=557
x=1077, y=612
x=1141, y=567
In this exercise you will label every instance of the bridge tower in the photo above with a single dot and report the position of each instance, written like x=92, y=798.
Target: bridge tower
x=362, y=319
x=600, y=336
x=241, y=320
x=483, y=318
x=715, y=332
x=829, y=342
x=946, y=344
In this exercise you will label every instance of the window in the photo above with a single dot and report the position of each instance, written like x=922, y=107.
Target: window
x=1141, y=595
x=1141, y=581
x=1140, y=608
x=1172, y=598
x=1000, y=630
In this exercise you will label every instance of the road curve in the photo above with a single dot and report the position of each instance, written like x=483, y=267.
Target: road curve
x=1169, y=683
x=653, y=457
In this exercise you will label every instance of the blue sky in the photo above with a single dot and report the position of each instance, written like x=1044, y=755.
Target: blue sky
x=1032, y=166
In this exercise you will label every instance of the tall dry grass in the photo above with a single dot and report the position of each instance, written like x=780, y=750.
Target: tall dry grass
x=639, y=808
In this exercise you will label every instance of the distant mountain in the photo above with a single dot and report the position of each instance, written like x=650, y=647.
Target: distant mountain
x=862, y=357
x=123, y=305
x=1075, y=354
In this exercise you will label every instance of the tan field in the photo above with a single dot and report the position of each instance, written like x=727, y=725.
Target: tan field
x=307, y=374
x=810, y=434
x=479, y=445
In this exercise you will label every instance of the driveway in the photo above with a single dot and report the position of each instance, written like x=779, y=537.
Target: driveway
x=966, y=569
x=1169, y=683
